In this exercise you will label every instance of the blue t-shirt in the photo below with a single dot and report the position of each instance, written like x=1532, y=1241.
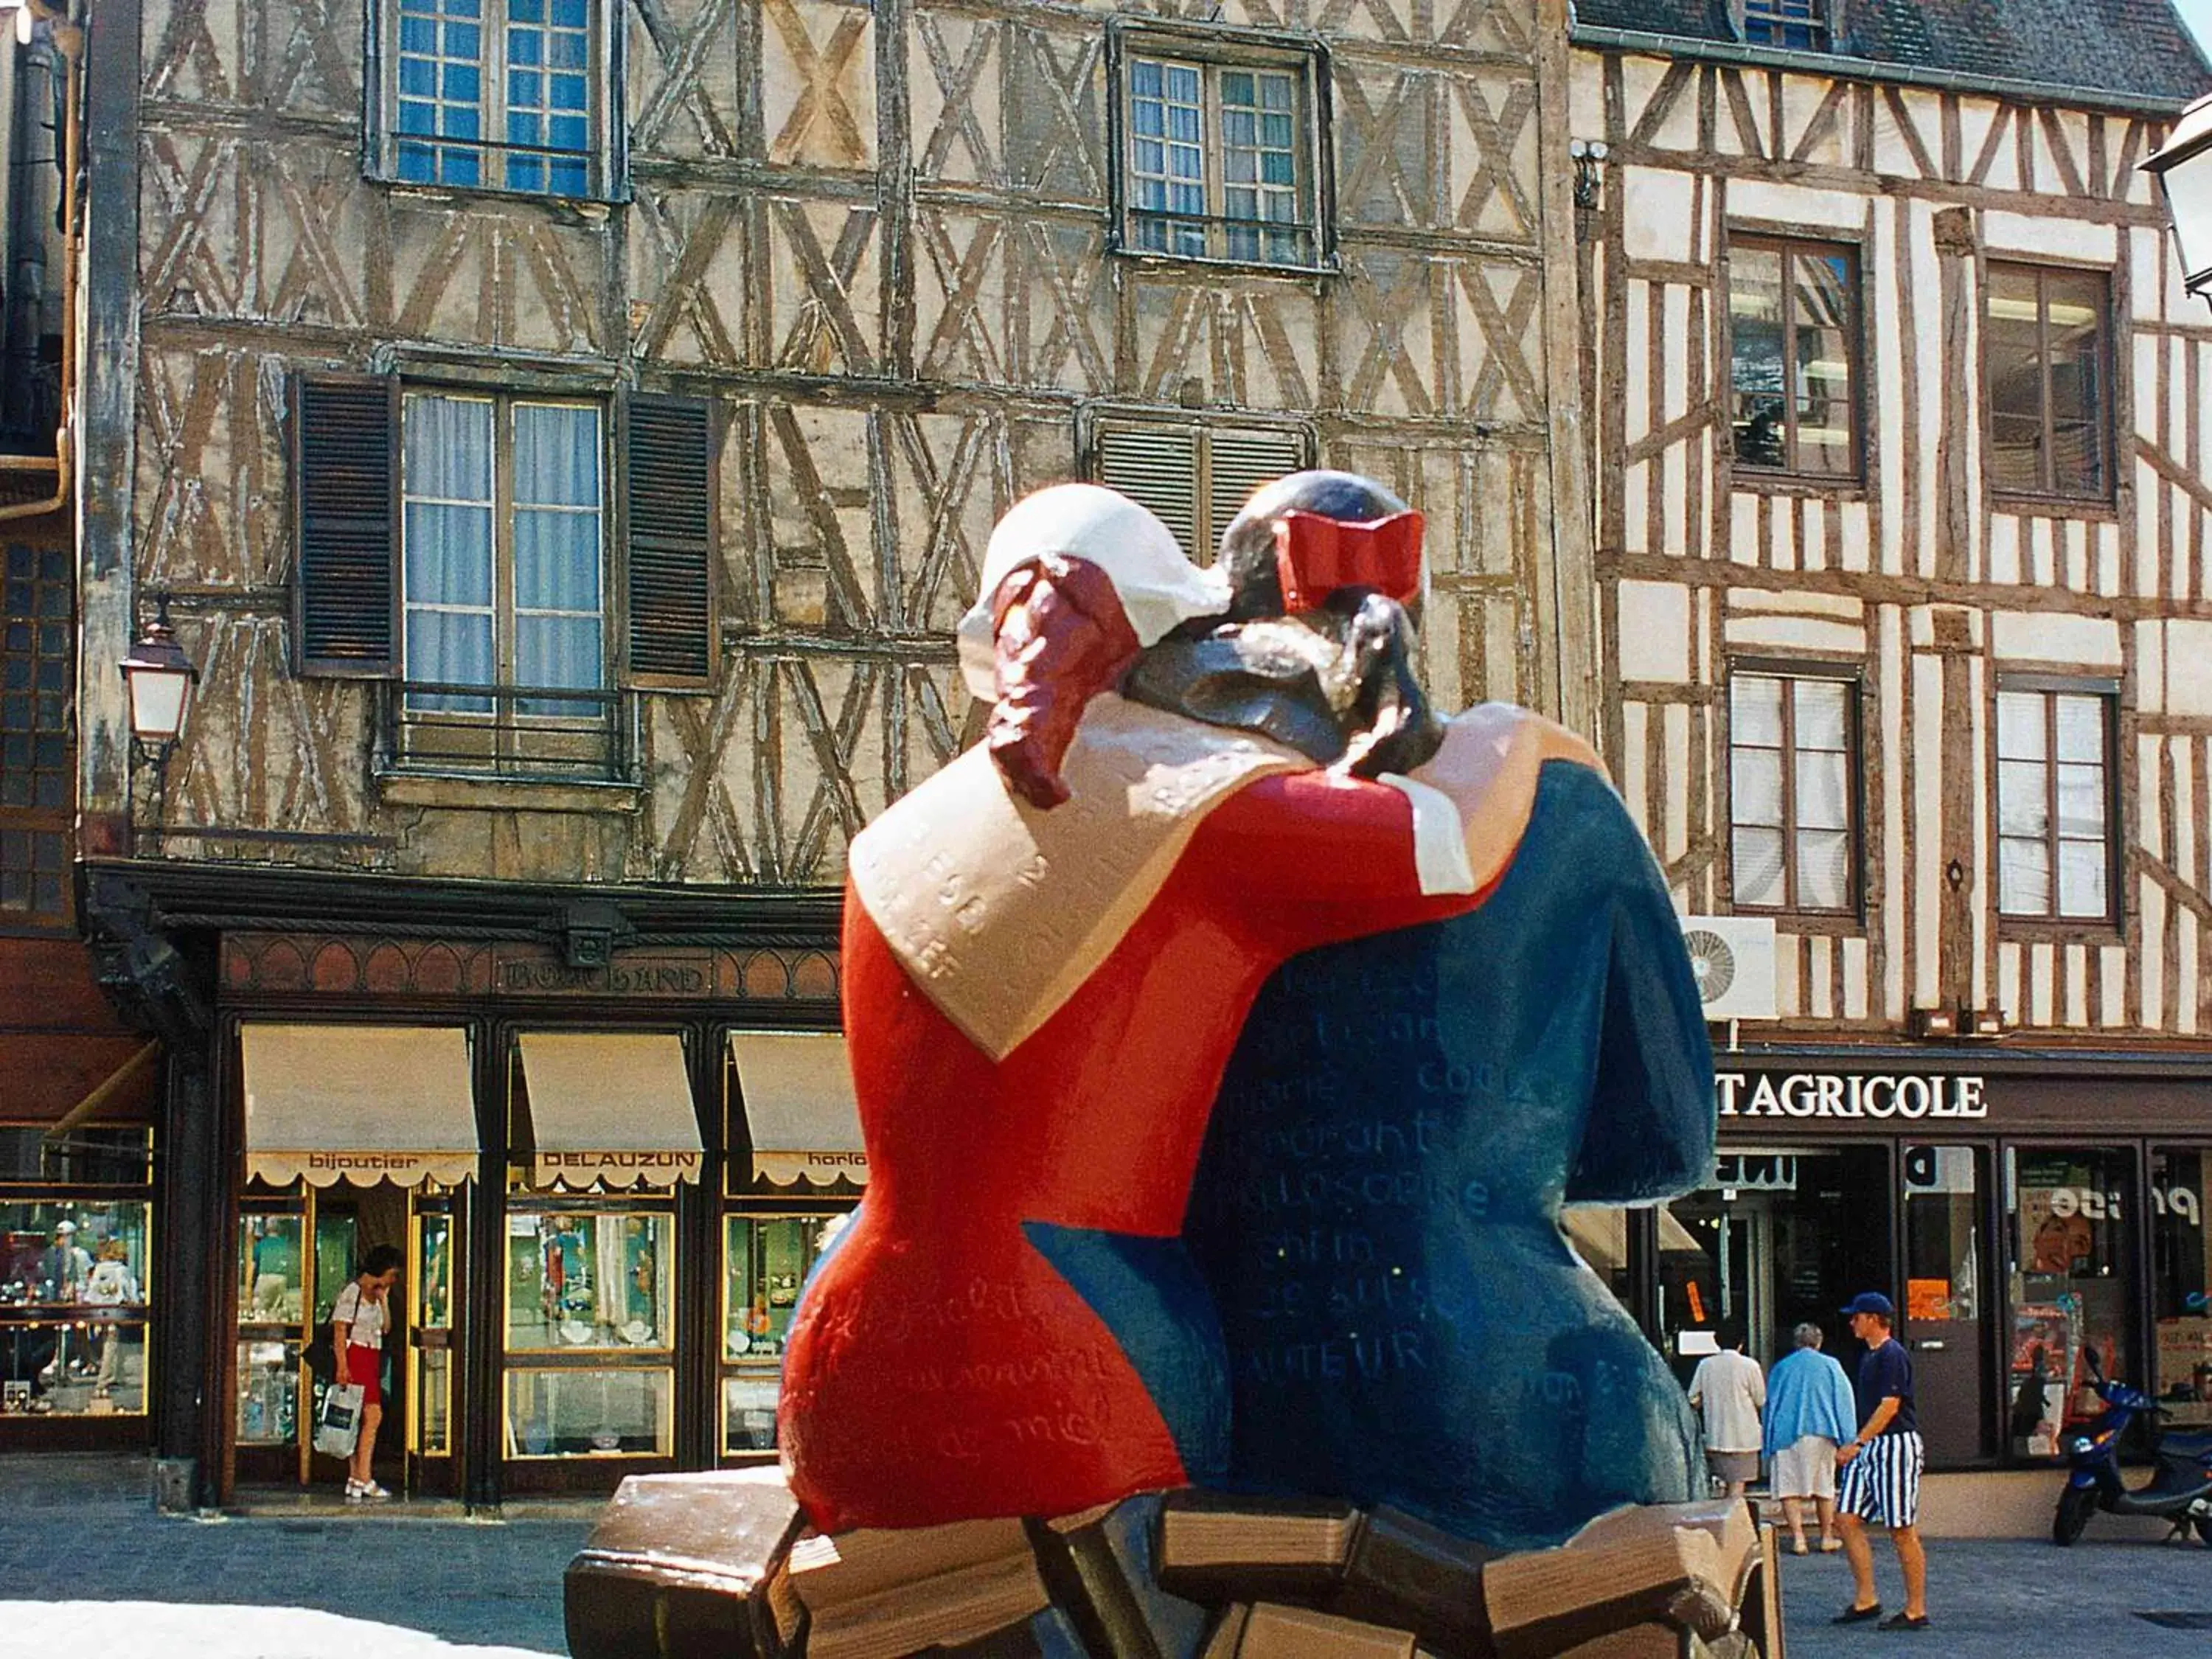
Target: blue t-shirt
x=1887, y=1370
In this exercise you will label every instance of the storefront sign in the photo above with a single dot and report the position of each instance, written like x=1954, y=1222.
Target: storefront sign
x=1754, y=1172
x=1831, y=1095
x=622, y=1168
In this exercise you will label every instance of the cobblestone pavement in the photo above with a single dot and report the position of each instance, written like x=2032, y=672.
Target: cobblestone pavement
x=86, y=1567
x=2001, y=1599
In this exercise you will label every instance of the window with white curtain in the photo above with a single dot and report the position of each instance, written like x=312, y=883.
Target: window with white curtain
x=1793, y=763
x=2054, y=802
x=503, y=553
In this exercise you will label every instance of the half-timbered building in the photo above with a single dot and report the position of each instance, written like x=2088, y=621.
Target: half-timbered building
x=1900, y=418
x=563, y=433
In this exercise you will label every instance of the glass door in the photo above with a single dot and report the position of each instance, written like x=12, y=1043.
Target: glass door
x=2071, y=1284
x=292, y=1256
x=1944, y=1326
x=432, y=1290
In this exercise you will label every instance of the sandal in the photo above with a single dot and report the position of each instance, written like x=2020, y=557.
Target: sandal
x=1797, y=1546
x=1830, y=1546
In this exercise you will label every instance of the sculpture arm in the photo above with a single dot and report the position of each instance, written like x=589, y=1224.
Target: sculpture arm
x=1648, y=1132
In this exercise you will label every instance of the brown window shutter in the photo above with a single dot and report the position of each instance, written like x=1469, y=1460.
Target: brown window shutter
x=1157, y=467
x=668, y=503
x=345, y=480
x=1238, y=461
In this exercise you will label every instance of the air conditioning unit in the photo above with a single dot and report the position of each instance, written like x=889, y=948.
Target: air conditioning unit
x=1733, y=957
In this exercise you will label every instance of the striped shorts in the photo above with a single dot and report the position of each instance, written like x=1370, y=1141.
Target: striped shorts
x=1882, y=1483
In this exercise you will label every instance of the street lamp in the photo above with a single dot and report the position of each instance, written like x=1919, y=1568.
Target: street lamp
x=158, y=677
x=27, y=13
x=2184, y=170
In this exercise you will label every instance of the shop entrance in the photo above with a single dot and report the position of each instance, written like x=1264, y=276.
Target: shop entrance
x=1782, y=1238
x=297, y=1249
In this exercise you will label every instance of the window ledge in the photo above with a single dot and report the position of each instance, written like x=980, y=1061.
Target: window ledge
x=462, y=791
x=1757, y=481
x=583, y=210
x=2095, y=510
x=2095, y=931
x=1152, y=259
x=1810, y=924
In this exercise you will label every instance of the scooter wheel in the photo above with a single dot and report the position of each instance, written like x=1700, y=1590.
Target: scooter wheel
x=2075, y=1505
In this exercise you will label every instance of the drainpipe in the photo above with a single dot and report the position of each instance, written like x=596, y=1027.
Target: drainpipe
x=32, y=152
x=65, y=42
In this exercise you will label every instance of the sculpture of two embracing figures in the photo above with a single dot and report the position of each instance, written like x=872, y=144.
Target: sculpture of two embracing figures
x=1229, y=1028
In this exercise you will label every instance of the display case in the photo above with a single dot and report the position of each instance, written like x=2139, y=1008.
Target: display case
x=765, y=1260
x=76, y=1288
x=590, y=1328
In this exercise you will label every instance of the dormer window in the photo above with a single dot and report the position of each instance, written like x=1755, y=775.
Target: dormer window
x=1800, y=25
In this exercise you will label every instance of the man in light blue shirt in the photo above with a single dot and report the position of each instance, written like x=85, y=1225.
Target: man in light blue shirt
x=1809, y=1412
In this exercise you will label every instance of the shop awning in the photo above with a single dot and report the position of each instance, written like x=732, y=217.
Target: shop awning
x=1599, y=1234
x=362, y=1103
x=609, y=1107
x=798, y=1100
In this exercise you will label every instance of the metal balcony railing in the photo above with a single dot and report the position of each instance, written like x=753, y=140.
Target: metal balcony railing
x=536, y=732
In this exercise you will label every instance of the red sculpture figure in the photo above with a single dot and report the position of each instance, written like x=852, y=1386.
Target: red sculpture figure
x=1049, y=951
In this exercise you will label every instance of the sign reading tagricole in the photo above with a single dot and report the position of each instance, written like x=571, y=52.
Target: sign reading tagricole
x=1909, y=1095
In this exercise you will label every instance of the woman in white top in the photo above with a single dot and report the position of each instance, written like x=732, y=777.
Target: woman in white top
x=1730, y=1390
x=358, y=1322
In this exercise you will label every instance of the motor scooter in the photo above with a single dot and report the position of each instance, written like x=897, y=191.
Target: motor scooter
x=2180, y=1489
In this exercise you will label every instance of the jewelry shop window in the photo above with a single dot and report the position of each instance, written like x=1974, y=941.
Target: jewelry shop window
x=788, y=1101
x=75, y=1271
x=589, y=1279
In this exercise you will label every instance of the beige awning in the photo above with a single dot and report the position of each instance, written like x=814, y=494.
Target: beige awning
x=362, y=1103
x=1599, y=1234
x=609, y=1107
x=798, y=1091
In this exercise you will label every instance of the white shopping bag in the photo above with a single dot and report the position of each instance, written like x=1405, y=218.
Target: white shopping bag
x=338, y=1420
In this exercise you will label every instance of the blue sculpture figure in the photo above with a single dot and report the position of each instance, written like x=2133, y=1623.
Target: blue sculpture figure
x=1377, y=1211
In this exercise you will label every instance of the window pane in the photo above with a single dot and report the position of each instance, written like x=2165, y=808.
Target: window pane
x=1755, y=710
x=599, y=1412
x=557, y=455
x=1821, y=710
x=2023, y=798
x=562, y=651
x=2071, y=1285
x=74, y=1296
x=2082, y=802
x=1757, y=870
x=588, y=1280
x=270, y=1278
x=448, y=555
x=1822, y=355
x=1823, y=792
x=451, y=647
x=2023, y=877
x=2081, y=721
x=1758, y=354
x=2082, y=870
x=447, y=453
x=1756, y=787
x=1824, y=870
x=556, y=561
x=2021, y=718
x=2012, y=344
x=2075, y=311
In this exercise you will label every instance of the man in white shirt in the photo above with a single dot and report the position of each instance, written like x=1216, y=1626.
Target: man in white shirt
x=1730, y=1390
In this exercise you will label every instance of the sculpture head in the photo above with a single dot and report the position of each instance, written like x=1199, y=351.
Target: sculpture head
x=1309, y=535
x=1076, y=580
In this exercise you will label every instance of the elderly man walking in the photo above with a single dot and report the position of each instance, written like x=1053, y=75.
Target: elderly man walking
x=1809, y=1413
x=1880, y=1479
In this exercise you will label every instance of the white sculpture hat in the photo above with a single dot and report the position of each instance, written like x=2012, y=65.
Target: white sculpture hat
x=1160, y=588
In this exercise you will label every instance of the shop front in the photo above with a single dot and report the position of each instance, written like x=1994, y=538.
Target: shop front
x=605, y=1206
x=2024, y=1211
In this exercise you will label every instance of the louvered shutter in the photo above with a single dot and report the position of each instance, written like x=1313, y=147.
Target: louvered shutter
x=669, y=496
x=345, y=483
x=1158, y=466
x=1238, y=463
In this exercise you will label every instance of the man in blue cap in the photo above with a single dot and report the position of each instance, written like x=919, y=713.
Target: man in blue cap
x=1880, y=1478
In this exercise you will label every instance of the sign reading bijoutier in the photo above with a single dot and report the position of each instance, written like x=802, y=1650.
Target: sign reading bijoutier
x=1832, y=1095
